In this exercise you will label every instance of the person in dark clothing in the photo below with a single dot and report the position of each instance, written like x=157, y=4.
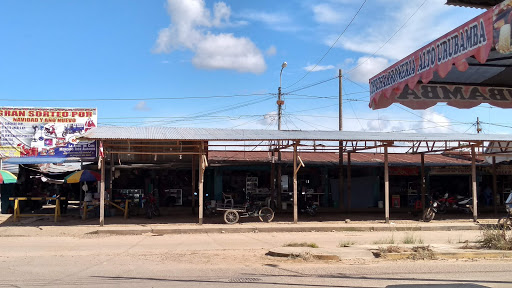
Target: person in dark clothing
x=64, y=192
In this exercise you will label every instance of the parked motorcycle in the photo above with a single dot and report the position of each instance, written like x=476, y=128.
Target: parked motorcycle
x=308, y=206
x=150, y=205
x=459, y=202
x=431, y=211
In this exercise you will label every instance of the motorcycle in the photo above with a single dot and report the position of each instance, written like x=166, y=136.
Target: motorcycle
x=458, y=202
x=50, y=131
x=431, y=211
x=150, y=205
x=308, y=206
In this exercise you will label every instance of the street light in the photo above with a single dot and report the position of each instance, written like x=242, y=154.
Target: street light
x=279, y=101
x=279, y=104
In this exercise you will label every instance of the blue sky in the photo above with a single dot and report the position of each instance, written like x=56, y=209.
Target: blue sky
x=217, y=63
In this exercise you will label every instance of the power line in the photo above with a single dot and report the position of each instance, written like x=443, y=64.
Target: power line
x=328, y=50
x=310, y=85
x=394, y=34
x=418, y=115
x=137, y=99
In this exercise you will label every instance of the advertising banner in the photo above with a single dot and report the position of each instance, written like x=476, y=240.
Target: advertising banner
x=28, y=131
x=424, y=96
x=476, y=38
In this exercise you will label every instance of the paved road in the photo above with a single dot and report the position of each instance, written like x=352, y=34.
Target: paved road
x=230, y=260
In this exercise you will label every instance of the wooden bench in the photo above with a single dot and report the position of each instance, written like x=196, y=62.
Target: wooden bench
x=107, y=202
x=17, y=213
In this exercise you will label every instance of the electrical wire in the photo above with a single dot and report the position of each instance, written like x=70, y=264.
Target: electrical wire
x=137, y=99
x=310, y=85
x=399, y=106
x=387, y=41
x=328, y=50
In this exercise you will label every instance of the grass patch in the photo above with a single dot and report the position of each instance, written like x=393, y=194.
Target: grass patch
x=411, y=239
x=301, y=244
x=495, y=239
x=414, y=253
x=306, y=256
x=346, y=243
x=390, y=240
x=422, y=253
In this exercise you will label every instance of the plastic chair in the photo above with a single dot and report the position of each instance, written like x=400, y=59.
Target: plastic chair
x=227, y=199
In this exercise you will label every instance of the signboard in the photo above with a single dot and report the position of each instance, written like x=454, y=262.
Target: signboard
x=475, y=39
x=27, y=131
x=404, y=171
x=461, y=96
x=465, y=170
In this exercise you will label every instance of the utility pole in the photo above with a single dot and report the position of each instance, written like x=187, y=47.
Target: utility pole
x=478, y=128
x=279, y=111
x=340, y=181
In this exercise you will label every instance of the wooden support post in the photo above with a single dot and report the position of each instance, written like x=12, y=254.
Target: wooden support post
x=473, y=184
x=349, y=181
x=126, y=203
x=386, y=183
x=16, y=210
x=494, y=186
x=201, y=182
x=102, y=192
x=111, y=178
x=422, y=183
x=340, y=177
x=272, y=182
x=279, y=185
x=193, y=184
x=57, y=209
x=295, y=208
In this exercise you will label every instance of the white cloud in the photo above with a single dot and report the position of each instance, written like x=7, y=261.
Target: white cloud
x=430, y=22
x=275, y=21
x=271, y=51
x=312, y=68
x=325, y=13
x=142, y=106
x=368, y=67
x=190, y=20
x=225, y=51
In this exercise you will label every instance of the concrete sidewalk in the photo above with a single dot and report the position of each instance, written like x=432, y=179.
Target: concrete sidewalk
x=289, y=227
x=74, y=226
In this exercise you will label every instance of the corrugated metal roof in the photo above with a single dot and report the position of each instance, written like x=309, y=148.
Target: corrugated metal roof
x=369, y=159
x=213, y=134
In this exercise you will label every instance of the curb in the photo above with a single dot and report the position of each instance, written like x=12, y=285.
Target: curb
x=228, y=229
x=450, y=255
x=328, y=257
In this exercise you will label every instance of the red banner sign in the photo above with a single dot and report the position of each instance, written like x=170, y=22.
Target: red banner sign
x=475, y=39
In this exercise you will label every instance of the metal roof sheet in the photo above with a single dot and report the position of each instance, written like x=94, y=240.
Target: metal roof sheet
x=214, y=134
x=366, y=159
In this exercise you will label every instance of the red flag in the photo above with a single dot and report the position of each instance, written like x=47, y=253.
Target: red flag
x=101, y=150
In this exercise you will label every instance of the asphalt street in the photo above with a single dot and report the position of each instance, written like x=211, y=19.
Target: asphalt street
x=233, y=260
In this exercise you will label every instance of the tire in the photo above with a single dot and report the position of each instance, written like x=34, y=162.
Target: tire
x=311, y=211
x=505, y=223
x=428, y=215
x=441, y=209
x=231, y=217
x=149, y=212
x=266, y=214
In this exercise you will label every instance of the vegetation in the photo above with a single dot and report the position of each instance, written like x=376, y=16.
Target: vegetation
x=346, y=243
x=302, y=244
x=495, y=239
x=411, y=239
x=390, y=240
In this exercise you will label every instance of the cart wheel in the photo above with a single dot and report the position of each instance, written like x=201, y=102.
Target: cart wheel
x=231, y=217
x=505, y=223
x=266, y=214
